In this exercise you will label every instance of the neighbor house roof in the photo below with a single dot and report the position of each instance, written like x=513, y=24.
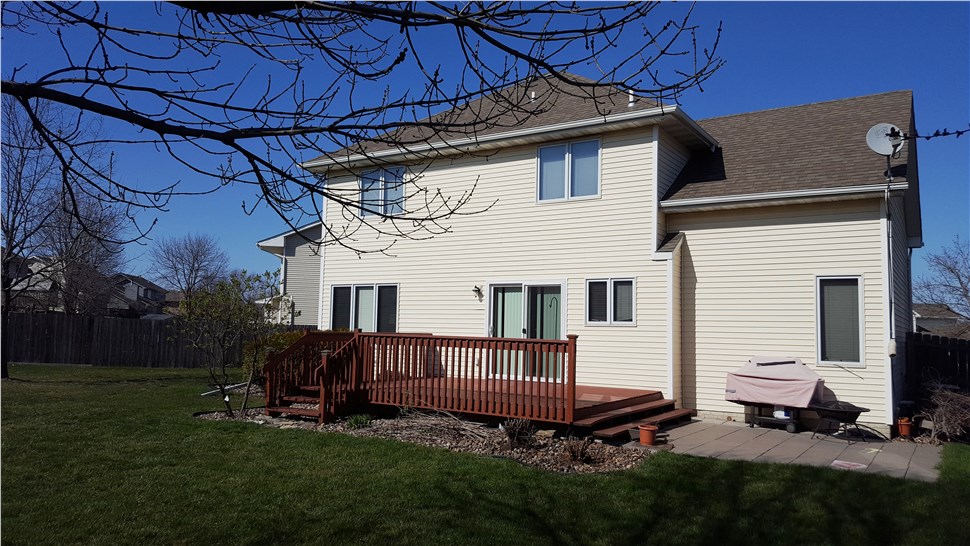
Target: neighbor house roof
x=145, y=283
x=275, y=243
x=531, y=110
x=819, y=147
x=937, y=311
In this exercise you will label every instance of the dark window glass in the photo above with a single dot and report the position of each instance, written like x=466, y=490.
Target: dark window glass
x=386, y=308
x=839, y=310
x=340, y=308
x=596, y=295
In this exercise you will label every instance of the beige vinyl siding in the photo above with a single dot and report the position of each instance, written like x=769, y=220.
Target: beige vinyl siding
x=521, y=240
x=671, y=158
x=902, y=291
x=302, y=280
x=749, y=288
x=676, y=315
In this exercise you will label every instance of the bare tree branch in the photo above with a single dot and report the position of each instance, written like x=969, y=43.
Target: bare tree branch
x=263, y=87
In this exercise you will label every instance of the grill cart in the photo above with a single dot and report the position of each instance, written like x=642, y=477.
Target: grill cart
x=782, y=384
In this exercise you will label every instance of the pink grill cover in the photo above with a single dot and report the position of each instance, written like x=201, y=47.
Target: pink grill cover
x=780, y=381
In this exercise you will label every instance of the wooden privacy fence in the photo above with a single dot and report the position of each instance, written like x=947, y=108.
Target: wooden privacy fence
x=936, y=359
x=103, y=341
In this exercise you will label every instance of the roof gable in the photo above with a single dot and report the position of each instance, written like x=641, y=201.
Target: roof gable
x=532, y=106
x=819, y=146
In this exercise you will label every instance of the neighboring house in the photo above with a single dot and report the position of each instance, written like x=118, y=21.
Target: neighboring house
x=136, y=296
x=31, y=285
x=939, y=320
x=300, y=268
x=676, y=249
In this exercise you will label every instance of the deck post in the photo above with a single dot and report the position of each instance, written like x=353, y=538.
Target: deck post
x=571, y=386
x=323, y=388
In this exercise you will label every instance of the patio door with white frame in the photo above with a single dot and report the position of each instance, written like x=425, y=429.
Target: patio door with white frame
x=525, y=310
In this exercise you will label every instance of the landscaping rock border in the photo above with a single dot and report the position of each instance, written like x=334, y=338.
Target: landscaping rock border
x=547, y=449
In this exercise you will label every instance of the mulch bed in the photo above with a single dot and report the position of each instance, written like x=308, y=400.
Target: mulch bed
x=544, y=449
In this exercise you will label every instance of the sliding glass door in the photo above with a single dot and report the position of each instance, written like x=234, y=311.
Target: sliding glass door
x=520, y=311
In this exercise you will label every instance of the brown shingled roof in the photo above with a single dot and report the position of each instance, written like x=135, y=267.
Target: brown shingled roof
x=511, y=108
x=809, y=147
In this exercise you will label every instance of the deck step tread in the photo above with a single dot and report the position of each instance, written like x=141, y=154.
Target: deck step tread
x=299, y=399
x=660, y=419
x=294, y=411
x=309, y=388
x=605, y=416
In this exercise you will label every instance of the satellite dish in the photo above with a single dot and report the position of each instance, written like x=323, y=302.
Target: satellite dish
x=885, y=139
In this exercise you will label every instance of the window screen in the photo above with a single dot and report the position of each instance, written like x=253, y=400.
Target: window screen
x=393, y=191
x=340, y=308
x=596, y=301
x=370, y=192
x=386, y=308
x=552, y=172
x=622, y=301
x=364, y=308
x=584, y=168
x=839, y=328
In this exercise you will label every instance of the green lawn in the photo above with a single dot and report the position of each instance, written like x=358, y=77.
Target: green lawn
x=113, y=456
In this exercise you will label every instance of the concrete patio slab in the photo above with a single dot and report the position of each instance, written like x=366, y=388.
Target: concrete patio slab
x=737, y=441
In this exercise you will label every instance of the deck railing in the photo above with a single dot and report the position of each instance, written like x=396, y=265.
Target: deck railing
x=516, y=378
x=298, y=364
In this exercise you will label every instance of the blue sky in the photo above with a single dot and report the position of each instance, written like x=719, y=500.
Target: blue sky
x=777, y=54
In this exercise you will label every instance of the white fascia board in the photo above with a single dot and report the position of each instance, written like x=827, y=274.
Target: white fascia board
x=669, y=255
x=652, y=115
x=714, y=202
x=275, y=244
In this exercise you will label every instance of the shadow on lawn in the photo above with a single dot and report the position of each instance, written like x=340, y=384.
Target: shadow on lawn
x=678, y=499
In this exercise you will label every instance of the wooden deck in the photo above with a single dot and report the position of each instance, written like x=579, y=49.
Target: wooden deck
x=504, y=398
x=530, y=379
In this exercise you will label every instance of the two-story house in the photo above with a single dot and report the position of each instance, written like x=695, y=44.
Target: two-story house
x=675, y=249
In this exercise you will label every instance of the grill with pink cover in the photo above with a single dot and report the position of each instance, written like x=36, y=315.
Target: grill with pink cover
x=779, y=381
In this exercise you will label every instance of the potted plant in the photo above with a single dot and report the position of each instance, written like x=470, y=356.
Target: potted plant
x=905, y=427
x=648, y=434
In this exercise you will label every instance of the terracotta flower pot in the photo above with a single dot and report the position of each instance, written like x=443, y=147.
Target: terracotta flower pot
x=905, y=427
x=648, y=434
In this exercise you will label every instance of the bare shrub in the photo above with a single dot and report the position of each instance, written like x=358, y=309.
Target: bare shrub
x=520, y=432
x=578, y=449
x=950, y=413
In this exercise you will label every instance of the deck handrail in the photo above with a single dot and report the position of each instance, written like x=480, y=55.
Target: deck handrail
x=512, y=377
x=509, y=377
x=338, y=377
x=296, y=365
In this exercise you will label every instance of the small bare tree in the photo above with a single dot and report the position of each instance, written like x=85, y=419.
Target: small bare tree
x=217, y=321
x=58, y=249
x=85, y=254
x=948, y=282
x=189, y=263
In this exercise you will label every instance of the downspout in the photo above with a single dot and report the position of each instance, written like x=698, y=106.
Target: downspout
x=891, y=303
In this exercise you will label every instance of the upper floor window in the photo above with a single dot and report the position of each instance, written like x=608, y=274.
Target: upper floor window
x=382, y=191
x=570, y=170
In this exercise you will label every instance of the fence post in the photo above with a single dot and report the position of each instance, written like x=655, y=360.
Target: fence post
x=571, y=387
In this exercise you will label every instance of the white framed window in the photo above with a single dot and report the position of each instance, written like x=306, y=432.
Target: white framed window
x=369, y=307
x=839, y=319
x=382, y=190
x=610, y=302
x=568, y=171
